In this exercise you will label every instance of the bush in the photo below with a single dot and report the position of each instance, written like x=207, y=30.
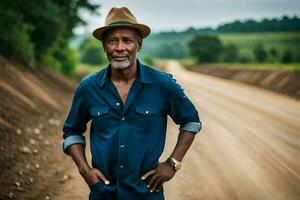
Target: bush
x=287, y=57
x=273, y=52
x=244, y=59
x=260, y=53
x=230, y=53
x=205, y=48
x=61, y=58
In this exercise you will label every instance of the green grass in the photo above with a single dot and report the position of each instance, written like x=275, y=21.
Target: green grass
x=280, y=41
x=245, y=43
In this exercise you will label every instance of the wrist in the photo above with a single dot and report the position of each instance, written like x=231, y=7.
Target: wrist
x=175, y=164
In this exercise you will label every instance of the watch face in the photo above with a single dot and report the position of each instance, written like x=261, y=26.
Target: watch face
x=178, y=166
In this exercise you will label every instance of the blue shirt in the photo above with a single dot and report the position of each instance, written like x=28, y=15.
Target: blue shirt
x=127, y=140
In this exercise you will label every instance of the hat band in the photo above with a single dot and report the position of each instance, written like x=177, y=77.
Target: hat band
x=119, y=22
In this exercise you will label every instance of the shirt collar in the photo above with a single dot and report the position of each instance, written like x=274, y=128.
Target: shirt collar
x=142, y=76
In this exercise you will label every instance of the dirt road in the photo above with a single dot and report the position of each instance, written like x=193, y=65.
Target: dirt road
x=249, y=147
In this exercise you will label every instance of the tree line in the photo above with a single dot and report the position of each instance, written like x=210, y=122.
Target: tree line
x=34, y=30
x=266, y=25
x=281, y=24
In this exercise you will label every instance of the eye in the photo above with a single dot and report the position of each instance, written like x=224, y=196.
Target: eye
x=127, y=40
x=111, y=41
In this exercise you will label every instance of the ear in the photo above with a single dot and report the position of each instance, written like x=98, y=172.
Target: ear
x=103, y=46
x=140, y=45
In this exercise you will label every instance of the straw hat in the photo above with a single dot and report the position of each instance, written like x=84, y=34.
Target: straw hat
x=121, y=17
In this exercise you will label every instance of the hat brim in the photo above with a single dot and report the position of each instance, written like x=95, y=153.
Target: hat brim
x=144, y=29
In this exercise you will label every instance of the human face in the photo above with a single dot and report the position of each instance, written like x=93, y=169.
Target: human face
x=121, y=46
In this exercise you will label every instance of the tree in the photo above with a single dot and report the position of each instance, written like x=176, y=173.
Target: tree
x=265, y=25
x=260, y=53
x=205, y=48
x=38, y=30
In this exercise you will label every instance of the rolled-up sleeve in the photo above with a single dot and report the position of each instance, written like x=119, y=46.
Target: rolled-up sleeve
x=75, y=124
x=182, y=110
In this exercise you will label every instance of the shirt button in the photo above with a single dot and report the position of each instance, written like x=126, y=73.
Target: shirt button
x=123, y=118
x=118, y=104
x=122, y=146
x=121, y=166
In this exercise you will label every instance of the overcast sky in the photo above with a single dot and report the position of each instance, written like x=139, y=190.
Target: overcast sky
x=162, y=15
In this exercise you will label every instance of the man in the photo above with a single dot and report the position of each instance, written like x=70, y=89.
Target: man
x=128, y=104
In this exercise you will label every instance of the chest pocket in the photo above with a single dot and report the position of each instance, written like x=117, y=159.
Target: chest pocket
x=99, y=111
x=100, y=116
x=146, y=111
x=146, y=117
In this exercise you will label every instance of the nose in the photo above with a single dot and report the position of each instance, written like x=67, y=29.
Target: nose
x=120, y=46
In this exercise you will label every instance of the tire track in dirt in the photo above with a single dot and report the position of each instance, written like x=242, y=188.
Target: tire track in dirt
x=243, y=151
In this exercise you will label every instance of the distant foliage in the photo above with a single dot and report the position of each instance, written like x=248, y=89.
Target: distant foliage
x=15, y=41
x=148, y=61
x=39, y=30
x=266, y=25
x=164, y=49
x=91, y=52
x=260, y=53
x=205, y=48
x=287, y=57
x=273, y=52
x=272, y=33
x=230, y=53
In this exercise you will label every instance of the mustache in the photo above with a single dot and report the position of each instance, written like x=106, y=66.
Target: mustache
x=119, y=56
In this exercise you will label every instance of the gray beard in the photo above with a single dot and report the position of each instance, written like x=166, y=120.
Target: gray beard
x=120, y=65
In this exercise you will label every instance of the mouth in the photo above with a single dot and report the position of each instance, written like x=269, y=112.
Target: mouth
x=120, y=58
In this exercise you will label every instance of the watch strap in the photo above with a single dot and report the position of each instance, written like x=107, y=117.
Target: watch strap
x=173, y=163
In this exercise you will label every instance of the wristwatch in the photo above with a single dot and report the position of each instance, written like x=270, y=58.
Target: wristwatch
x=174, y=163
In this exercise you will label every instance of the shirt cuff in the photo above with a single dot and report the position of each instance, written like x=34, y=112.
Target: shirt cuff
x=73, y=139
x=194, y=127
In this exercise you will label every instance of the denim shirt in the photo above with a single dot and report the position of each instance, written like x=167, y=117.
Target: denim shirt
x=127, y=140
